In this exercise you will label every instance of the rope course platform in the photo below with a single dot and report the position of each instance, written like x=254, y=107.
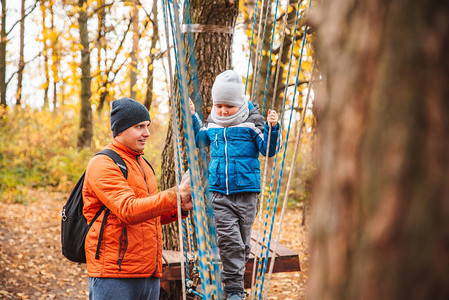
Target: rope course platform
x=286, y=261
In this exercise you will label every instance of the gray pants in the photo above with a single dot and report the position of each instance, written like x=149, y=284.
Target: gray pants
x=234, y=216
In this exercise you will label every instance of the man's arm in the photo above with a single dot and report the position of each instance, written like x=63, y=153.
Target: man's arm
x=107, y=183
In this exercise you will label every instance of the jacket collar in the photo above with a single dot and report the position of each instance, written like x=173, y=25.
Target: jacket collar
x=119, y=146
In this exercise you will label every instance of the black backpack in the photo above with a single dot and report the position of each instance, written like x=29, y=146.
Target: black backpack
x=74, y=225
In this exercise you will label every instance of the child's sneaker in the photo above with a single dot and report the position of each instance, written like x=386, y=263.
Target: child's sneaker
x=236, y=295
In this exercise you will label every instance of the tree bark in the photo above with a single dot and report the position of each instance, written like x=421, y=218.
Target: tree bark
x=213, y=56
x=134, y=51
x=45, y=53
x=3, y=40
x=154, y=39
x=102, y=75
x=380, y=222
x=21, y=59
x=266, y=44
x=85, y=128
x=54, y=57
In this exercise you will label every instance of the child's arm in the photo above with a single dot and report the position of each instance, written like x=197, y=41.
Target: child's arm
x=201, y=137
x=272, y=121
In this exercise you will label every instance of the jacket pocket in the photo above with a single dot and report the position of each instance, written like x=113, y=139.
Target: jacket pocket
x=244, y=173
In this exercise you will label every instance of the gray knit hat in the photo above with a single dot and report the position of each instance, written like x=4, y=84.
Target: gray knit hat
x=228, y=89
x=125, y=113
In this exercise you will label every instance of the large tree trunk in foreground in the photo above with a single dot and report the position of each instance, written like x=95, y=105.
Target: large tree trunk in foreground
x=380, y=222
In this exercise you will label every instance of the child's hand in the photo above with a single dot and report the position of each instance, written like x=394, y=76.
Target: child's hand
x=192, y=107
x=272, y=117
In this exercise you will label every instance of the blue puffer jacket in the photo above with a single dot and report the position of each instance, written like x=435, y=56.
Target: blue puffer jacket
x=234, y=166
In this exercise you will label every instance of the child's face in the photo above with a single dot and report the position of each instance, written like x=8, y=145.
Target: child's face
x=224, y=110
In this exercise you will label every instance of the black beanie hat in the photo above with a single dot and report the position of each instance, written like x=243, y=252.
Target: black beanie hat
x=125, y=113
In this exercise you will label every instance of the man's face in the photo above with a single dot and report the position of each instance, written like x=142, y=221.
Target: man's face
x=135, y=136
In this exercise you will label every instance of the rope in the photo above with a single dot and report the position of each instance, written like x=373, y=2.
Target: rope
x=287, y=189
x=185, y=245
x=178, y=160
x=283, y=161
x=269, y=58
x=257, y=60
x=260, y=277
x=205, y=231
x=269, y=138
x=251, y=45
x=202, y=225
x=213, y=254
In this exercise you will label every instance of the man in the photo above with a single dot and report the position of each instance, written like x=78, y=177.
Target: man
x=129, y=263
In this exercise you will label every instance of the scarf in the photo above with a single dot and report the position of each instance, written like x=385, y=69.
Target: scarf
x=235, y=119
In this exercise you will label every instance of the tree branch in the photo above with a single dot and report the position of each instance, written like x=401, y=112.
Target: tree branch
x=22, y=19
x=96, y=10
x=24, y=64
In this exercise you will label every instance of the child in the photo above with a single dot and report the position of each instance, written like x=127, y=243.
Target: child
x=236, y=134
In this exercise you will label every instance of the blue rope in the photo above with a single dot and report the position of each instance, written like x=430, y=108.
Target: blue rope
x=260, y=56
x=269, y=59
x=199, y=210
x=179, y=155
x=285, y=149
x=211, y=236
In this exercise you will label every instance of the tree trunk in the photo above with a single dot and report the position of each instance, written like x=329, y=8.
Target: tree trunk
x=85, y=128
x=54, y=57
x=154, y=39
x=263, y=58
x=285, y=55
x=134, y=51
x=21, y=59
x=3, y=41
x=213, y=56
x=45, y=53
x=212, y=51
x=380, y=222
x=102, y=75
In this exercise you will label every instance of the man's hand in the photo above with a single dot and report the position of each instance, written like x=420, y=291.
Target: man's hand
x=272, y=117
x=185, y=193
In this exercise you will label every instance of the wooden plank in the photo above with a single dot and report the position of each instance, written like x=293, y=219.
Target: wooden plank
x=286, y=261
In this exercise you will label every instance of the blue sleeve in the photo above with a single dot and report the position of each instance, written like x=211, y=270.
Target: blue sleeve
x=201, y=137
x=273, y=140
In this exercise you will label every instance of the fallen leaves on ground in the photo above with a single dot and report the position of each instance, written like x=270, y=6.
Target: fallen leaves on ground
x=33, y=267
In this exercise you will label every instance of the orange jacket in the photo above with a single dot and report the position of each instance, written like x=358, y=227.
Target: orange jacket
x=136, y=205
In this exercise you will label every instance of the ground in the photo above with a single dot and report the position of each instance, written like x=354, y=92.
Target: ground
x=32, y=266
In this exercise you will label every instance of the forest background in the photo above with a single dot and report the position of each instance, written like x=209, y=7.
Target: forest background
x=43, y=142
x=376, y=139
x=61, y=65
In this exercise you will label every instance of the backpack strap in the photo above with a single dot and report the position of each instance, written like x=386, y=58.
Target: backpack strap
x=149, y=164
x=122, y=166
x=100, y=237
x=97, y=215
x=117, y=159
